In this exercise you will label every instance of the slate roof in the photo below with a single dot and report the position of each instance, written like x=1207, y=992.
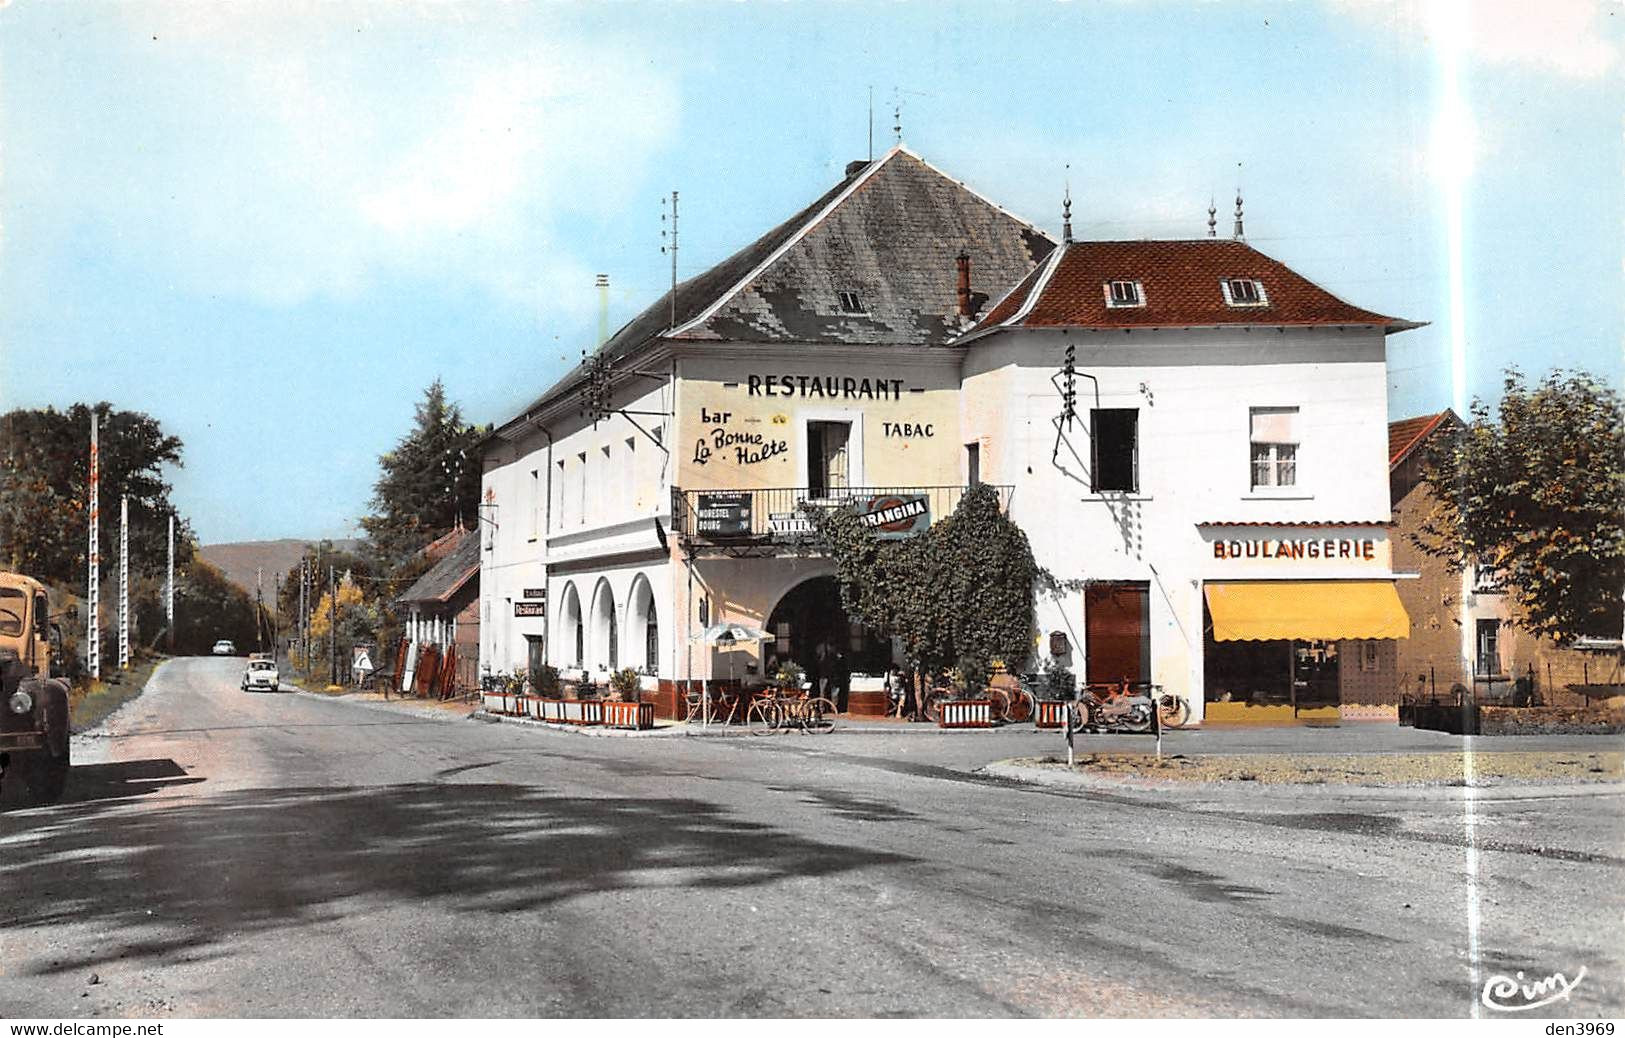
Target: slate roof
x=889, y=231
x=1405, y=435
x=1181, y=282
x=446, y=577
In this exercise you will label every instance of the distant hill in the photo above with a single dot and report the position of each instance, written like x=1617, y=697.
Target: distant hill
x=240, y=560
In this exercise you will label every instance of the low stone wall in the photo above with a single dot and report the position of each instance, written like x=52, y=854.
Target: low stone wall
x=1549, y=720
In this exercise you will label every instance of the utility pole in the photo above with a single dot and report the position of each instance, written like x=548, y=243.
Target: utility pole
x=276, y=613
x=93, y=597
x=332, y=626
x=169, y=587
x=259, y=608
x=304, y=612
x=124, y=582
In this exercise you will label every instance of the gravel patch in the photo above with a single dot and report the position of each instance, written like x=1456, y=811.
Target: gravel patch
x=1403, y=769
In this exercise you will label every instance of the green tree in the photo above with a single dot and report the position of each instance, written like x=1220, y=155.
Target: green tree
x=959, y=595
x=427, y=484
x=209, y=607
x=1533, y=492
x=45, y=490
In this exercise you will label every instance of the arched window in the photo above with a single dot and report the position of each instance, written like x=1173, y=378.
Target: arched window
x=572, y=631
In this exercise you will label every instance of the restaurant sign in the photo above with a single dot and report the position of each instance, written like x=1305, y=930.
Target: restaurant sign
x=723, y=514
x=530, y=609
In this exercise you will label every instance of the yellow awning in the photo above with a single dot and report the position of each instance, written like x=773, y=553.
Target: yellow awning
x=1269, y=610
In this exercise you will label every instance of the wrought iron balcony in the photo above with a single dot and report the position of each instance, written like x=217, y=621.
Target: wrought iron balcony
x=773, y=518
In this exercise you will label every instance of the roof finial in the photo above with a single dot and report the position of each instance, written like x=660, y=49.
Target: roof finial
x=1212, y=218
x=1238, y=235
x=1066, y=210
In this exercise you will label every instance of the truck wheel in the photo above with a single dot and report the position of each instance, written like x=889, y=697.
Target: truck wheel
x=46, y=772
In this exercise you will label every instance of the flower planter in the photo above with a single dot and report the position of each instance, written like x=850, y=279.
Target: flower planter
x=965, y=713
x=533, y=707
x=582, y=711
x=552, y=710
x=1051, y=713
x=628, y=715
x=500, y=703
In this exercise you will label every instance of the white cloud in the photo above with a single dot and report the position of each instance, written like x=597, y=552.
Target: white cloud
x=272, y=155
x=1575, y=38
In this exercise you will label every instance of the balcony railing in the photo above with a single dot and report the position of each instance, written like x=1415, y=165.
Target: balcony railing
x=775, y=515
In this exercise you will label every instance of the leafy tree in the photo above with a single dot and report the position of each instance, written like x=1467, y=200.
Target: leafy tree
x=1534, y=493
x=428, y=483
x=209, y=607
x=958, y=596
x=45, y=490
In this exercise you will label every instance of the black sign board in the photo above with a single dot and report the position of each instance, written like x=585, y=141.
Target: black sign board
x=534, y=592
x=723, y=514
x=530, y=609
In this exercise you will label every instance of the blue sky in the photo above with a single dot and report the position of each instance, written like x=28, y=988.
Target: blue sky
x=271, y=225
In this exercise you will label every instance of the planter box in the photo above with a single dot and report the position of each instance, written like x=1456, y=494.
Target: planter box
x=552, y=709
x=965, y=713
x=582, y=711
x=500, y=703
x=628, y=715
x=1051, y=713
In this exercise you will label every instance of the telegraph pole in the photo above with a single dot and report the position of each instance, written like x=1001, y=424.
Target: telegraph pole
x=332, y=626
x=259, y=608
x=93, y=598
x=169, y=587
x=124, y=582
x=304, y=625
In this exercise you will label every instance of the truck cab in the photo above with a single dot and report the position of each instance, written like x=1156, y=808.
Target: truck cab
x=33, y=701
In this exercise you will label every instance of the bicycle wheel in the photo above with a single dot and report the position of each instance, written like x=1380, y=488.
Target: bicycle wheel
x=1021, y=705
x=1080, y=717
x=817, y=715
x=931, y=707
x=762, y=717
x=1173, y=711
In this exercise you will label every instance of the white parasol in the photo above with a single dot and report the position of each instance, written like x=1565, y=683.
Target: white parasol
x=728, y=635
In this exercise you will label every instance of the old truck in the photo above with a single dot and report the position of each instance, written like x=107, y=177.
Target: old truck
x=33, y=699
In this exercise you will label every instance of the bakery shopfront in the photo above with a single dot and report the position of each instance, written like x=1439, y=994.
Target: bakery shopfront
x=1300, y=624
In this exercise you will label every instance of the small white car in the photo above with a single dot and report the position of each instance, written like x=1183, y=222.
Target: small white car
x=224, y=648
x=261, y=676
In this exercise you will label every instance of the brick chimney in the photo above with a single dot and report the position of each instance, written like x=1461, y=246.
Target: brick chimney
x=963, y=262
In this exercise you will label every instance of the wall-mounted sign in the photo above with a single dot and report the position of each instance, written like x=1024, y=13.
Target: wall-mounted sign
x=895, y=515
x=534, y=592
x=530, y=609
x=723, y=514
x=789, y=524
x=1362, y=548
x=829, y=386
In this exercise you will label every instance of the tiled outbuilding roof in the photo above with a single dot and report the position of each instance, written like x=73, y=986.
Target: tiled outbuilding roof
x=888, y=234
x=1407, y=434
x=446, y=577
x=1181, y=284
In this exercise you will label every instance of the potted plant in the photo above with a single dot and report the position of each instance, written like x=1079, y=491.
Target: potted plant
x=968, y=707
x=789, y=677
x=621, y=708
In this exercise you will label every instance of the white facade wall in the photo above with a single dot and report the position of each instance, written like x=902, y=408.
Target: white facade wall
x=1193, y=391
x=578, y=498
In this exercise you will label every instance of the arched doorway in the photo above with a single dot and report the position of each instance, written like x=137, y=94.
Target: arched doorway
x=810, y=618
x=571, y=632
x=605, y=650
x=642, y=627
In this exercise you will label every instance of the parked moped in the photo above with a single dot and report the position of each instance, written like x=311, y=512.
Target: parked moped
x=1112, y=708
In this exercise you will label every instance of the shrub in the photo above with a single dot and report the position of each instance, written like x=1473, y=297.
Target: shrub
x=544, y=681
x=625, y=684
x=790, y=675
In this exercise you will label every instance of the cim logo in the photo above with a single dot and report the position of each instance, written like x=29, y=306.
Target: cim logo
x=1506, y=994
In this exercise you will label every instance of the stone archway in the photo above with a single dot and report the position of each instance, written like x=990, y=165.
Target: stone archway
x=810, y=626
x=642, y=627
x=605, y=640
x=571, y=650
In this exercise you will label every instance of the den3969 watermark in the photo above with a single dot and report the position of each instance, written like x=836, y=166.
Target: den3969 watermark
x=1517, y=994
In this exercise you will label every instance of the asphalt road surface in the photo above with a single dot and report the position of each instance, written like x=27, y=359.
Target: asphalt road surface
x=230, y=854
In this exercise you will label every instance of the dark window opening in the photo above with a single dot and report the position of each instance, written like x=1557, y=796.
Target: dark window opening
x=651, y=640
x=851, y=304
x=1244, y=292
x=827, y=457
x=1124, y=293
x=973, y=464
x=1489, y=649
x=1114, y=439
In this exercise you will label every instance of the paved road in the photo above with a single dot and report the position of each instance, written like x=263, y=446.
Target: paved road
x=221, y=853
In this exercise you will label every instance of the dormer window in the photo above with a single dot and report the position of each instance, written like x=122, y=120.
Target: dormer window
x=851, y=304
x=1244, y=292
x=1124, y=293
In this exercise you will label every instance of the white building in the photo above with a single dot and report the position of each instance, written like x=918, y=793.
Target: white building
x=1220, y=497
x=1221, y=488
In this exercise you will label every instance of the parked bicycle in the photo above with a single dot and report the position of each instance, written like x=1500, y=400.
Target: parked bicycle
x=780, y=710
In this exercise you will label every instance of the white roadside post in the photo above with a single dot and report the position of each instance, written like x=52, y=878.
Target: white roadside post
x=93, y=598
x=124, y=582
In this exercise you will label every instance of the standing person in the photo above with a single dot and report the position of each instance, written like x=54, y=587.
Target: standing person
x=842, y=680
x=818, y=669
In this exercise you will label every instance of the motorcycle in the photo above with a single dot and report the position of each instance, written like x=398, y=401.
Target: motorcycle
x=1112, y=708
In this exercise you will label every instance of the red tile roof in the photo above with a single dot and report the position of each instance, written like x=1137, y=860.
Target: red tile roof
x=1181, y=282
x=1407, y=434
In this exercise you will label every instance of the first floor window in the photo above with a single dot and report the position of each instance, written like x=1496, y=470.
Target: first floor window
x=1114, y=438
x=1489, y=649
x=1274, y=447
